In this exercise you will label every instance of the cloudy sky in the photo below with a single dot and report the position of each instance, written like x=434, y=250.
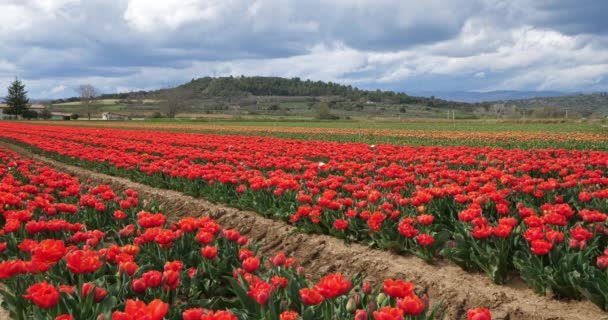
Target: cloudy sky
x=445, y=45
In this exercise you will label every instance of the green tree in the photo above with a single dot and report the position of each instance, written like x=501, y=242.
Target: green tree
x=323, y=112
x=46, y=113
x=16, y=100
x=29, y=114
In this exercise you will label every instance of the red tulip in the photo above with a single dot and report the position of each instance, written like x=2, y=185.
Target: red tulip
x=333, y=285
x=137, y=309
x=398, y=288
x=311, y=296
x=251, y=264
x=209, y=252
x=83, y=261
x=479, y=314
x=43, y=294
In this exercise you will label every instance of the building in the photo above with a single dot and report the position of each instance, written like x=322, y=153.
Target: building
x=60, y=116
x=113, y=116
x=34, y=107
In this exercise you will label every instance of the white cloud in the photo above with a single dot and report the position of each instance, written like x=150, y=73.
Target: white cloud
x=13, y=18
x=58, y=89
x=548, y=78
x=150, y=16
x=6, y=66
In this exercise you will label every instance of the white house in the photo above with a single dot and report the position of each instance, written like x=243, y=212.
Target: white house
x=113, y=116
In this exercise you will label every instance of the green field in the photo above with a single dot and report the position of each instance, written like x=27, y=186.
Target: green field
x=78, y=108
x=102, y=102
x=105, y=105
x=434, y=125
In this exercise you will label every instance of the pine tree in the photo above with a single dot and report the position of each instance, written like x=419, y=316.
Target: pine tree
x=16, y=100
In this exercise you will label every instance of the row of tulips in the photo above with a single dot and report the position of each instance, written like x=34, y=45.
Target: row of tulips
x=74, y=251
x=406, y=132
x=539, y=212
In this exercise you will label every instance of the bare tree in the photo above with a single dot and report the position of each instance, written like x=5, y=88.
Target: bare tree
x=498, y=109
x=87, y=93
x=174, y=100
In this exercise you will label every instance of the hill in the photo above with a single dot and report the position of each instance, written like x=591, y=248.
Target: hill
x=281, y=97
x=578, y=105
x=488, y=96
x=272, y=96
x=239, y=87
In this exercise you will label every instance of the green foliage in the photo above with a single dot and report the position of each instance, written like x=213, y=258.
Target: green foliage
x=323, y=112
x=45, y=114
x=74, y=116
x=29, y=114
x=16, y=100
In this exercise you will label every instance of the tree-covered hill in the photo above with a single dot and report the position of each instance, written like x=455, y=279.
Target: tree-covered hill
x=296, y=97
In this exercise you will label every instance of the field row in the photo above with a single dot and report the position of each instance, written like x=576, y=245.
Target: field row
x=77, y=251
x=571, y=136
x=539, y=212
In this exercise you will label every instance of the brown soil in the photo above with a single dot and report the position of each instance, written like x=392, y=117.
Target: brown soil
x=321, y=254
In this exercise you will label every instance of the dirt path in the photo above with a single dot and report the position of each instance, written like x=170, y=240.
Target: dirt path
x=321, y=254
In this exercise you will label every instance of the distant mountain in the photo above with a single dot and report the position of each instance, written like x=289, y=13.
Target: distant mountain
x=501, y=95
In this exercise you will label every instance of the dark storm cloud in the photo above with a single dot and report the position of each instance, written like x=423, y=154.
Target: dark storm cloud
x=573, y=16
x=396, y=44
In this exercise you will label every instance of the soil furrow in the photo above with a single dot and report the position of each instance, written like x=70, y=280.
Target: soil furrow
x=320, y=254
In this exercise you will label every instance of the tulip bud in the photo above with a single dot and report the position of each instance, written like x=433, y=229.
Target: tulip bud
x=371, y=306
x=602, y=262
x=425, y=300
x=367, y=288
x=575, y=244
x=357, y=299
x=380, y=298
x=350, y=305
x=361, y=315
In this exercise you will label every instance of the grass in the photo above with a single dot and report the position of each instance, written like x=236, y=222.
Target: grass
x=434, y=125
x=103, y=102
x=78, y=108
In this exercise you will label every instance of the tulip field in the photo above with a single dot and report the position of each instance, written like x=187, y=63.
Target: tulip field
x=508, y=135
x=535, y=214
x=77, y=251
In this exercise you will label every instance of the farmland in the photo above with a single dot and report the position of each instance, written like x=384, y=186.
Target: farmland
x=100, y=251
x=570, y=135
x=533, y=215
